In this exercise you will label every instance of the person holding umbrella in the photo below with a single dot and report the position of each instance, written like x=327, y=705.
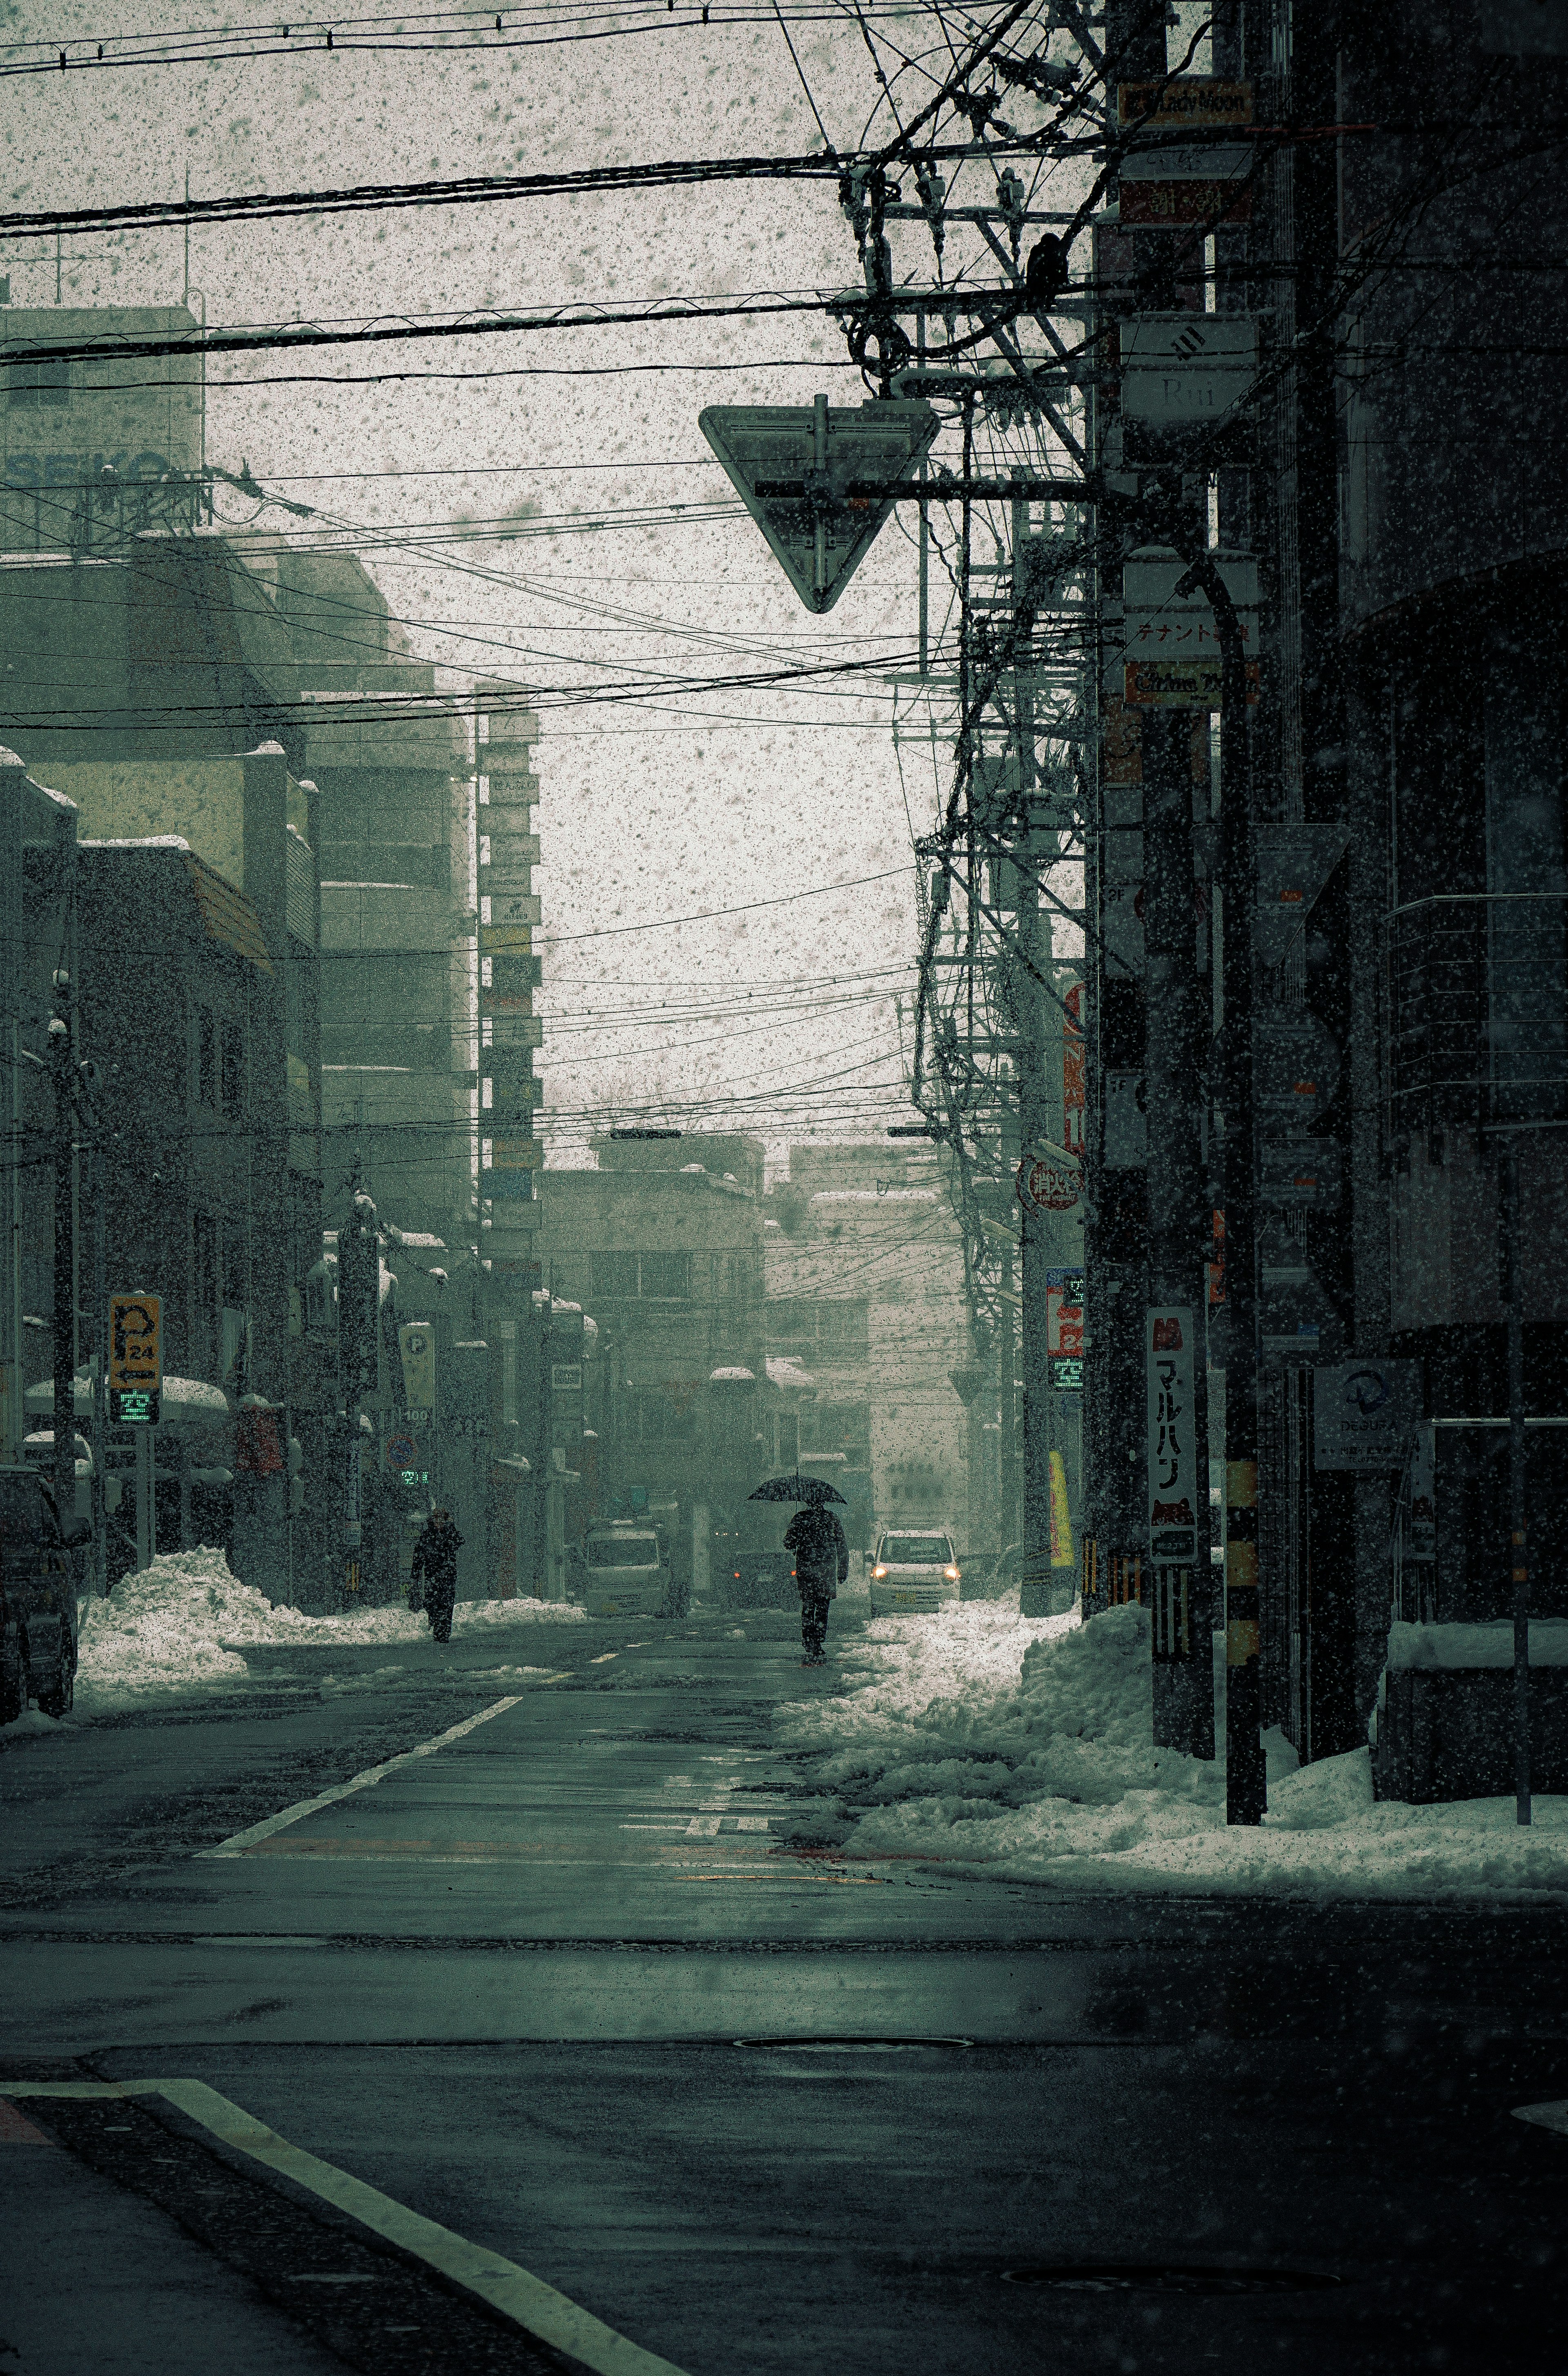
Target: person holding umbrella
x=821, y=1563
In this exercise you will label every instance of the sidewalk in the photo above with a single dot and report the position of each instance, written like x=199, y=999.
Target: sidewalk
x=92, y=2278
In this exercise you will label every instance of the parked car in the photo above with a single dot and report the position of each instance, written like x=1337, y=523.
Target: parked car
x=912, y=1570
x=623, y=1570
x=38, y=1597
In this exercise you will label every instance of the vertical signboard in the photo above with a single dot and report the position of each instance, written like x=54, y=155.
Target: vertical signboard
x=1073, y=1084
x=1064, y=1330
x=1174, y=1498
x=135, y=1359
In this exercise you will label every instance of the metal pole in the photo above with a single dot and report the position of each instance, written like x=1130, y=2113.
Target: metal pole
x=1035, y=1121
x=820, y=457
x=924, y=522
x=1246, y=1788
x=100, y=1364
x=64, y=1459
x=1514, y=1269
x=1008, y=1409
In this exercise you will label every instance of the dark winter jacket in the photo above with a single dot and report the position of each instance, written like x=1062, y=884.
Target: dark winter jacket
x=821, y=1554
x=435, y=1558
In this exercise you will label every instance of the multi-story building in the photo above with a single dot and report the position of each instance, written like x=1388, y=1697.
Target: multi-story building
x=663, y=1245
x=396, y=799
x=865, y=1295
x=88, y=446
x=38, y=838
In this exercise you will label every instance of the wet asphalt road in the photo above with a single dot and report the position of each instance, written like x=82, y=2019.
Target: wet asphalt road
x=602, y=1988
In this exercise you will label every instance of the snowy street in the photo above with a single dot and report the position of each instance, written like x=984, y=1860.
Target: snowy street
x=763, y=2017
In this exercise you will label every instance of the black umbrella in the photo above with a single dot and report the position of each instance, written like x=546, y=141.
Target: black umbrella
x=810, y=1489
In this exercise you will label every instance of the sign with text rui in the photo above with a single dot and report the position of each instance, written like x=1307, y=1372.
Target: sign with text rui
x=1173, y=1465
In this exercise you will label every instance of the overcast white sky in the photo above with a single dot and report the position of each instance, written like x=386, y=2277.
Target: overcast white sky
x=708, y=800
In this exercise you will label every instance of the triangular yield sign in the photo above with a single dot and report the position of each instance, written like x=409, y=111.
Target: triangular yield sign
x=794, y=469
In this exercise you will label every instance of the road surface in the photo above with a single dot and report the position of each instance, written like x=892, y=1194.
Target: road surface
x=580, y=2035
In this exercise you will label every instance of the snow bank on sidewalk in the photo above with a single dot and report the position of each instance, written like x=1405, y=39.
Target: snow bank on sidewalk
x=180, y=1625
x=973, y=1737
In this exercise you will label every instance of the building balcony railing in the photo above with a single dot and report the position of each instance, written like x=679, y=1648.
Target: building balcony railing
x=1478, y=1011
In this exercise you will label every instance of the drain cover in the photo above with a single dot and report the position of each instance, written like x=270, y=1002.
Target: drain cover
x=1164, y=2277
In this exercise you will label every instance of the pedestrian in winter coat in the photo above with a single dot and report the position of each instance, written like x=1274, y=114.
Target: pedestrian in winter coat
x=821, y=1563
x=435, y=1562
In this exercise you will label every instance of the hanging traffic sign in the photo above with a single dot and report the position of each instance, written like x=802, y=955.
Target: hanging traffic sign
x=792, y=469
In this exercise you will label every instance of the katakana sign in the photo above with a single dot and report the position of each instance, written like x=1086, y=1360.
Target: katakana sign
x=1172, y=1438
x=793, y=469
x=1171, y=654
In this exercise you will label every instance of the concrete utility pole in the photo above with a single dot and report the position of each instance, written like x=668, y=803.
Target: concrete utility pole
x=1182, y=1593
x=62, y=1082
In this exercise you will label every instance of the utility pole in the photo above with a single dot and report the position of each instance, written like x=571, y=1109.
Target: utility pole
x=359, y=1283
x=63, y=1083
x=1518, y=1566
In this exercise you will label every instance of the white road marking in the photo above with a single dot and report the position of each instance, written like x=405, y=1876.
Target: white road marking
x=751, y=1822
x=526, y=2300
x=238, y=1842
x=702, y=1828
x=604, y=1657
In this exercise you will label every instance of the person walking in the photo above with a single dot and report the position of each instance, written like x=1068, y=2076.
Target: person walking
x=435, y=1561
x=821, y=1563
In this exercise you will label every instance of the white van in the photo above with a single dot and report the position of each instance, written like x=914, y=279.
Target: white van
x=912, y=1570
x=623, y=1570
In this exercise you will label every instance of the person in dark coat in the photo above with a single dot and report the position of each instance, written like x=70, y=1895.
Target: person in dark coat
x=821, y=1563
x=435, y=1562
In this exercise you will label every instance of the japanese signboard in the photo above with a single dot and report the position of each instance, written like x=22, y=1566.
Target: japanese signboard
x=1173, y=657
x=1365, y=1415
x=1072, y=1070
x=1171, y=1439
x=1187, y=367
x=1045, y=1187
x=1063, y=1312
x=135, y=1359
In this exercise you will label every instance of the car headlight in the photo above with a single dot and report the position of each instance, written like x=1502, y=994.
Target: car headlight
x=951, y=1574
x=878, y=1573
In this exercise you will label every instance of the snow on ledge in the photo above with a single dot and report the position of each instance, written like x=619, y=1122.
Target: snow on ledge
x=1474, y=1645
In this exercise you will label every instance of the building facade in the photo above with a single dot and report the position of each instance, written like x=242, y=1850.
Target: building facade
x=865, y=1294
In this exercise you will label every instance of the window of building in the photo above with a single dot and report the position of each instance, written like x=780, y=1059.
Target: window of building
x=662, y=1420
x=621, y=1278
x=206, y=1057
x=236, y=1267
x=615, y=1278
x=666, y=1277
x=233, y=1069
x=203, y=1279
x=738, y=1277
x=838, y=1427
x=29, y=385
x=834, y=1328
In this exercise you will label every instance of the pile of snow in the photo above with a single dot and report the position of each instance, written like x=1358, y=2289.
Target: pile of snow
x=976, y=1737
x=179, y=1626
